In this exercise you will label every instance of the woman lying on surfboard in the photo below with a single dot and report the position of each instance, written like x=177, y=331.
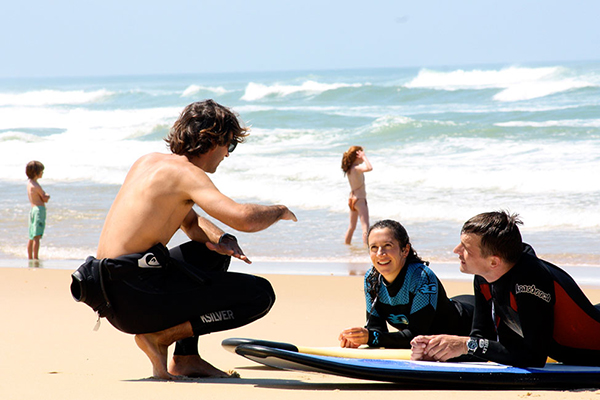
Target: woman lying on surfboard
x=402, y=291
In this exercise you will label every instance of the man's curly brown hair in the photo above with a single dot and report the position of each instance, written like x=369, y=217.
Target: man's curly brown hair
x=202, y=126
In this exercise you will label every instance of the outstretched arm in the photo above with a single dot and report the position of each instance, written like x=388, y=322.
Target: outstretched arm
x=242, y=217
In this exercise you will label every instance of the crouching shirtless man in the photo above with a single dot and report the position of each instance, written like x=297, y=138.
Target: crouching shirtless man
x=166, y=296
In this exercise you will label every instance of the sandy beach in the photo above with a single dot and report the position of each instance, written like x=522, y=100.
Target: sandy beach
x=50, y=351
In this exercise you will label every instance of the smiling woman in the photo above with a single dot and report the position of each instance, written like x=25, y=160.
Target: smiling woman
x=402, y=291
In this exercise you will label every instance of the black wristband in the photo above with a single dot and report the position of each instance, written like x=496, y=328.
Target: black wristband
x=227, y=236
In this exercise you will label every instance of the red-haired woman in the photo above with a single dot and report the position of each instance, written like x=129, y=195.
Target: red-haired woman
x=354, y=164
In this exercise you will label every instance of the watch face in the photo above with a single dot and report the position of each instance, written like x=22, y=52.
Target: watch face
x=472, y=344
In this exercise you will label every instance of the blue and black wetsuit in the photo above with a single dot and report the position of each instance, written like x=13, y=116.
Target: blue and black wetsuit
x=415, y=303
x=533, y=311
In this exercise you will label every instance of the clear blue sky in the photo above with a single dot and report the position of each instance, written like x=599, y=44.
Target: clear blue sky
x=122, y=37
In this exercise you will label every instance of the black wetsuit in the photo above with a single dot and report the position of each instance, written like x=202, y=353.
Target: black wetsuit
x=160, y=288
x=534, y=311
x=415, y=304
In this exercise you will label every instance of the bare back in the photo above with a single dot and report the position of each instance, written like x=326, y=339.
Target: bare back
x=356, y=178
x=150, y=206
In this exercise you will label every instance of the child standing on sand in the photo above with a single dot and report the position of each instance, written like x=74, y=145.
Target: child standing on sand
x=37, y=216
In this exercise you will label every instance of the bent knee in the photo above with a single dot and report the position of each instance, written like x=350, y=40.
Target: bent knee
x=267, y=293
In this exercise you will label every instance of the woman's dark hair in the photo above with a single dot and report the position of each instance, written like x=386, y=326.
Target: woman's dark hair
x=202, y=126
x=401, y=235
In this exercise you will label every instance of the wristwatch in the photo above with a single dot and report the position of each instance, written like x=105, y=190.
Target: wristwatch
x=472, y=345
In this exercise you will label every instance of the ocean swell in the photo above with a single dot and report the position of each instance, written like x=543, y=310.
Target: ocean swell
x=517, y=83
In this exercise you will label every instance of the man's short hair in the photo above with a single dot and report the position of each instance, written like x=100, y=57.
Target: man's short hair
x=202, y=126
x=34, y=169
x=499, y=233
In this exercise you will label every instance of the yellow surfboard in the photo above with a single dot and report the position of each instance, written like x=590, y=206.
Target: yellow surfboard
x=361, y=352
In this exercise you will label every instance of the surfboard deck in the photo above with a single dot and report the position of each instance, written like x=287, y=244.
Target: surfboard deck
x=366, y=353
x=430, y=374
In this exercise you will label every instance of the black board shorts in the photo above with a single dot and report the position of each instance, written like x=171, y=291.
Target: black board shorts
x=194, y=286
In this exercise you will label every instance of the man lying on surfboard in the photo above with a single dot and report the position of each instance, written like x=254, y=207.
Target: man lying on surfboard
x=166, y=296
x=526, y=309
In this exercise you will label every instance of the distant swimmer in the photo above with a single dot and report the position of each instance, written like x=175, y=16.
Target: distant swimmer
x=526, y=309
x=165, y=296
x=37, y=215
x=354, y=164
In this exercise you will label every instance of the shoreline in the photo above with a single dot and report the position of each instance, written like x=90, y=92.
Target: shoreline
x=586, y=275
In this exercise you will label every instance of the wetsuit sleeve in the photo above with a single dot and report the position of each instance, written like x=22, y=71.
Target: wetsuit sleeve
x=381, y=337
x=376, y=325
x=483, y=323
x=378, y=331
x=523, y=325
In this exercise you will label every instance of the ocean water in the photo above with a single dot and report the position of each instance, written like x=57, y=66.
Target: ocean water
x=445, y=144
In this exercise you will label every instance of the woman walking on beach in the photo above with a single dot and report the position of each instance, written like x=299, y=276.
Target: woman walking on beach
x=354, y=164
x=402, y=291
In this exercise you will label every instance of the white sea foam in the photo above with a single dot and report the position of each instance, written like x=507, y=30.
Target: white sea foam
x=52, y=97
x=575, y=123
x=382, y=111
x=93, y=145
x=18, y=136
x=256, y=91
x=85, y=124
x=193, y=90
x=518, y=83
x=479, y=79
x=393, y=121
x=52, y=252
x=539, y=88
x=459, y=178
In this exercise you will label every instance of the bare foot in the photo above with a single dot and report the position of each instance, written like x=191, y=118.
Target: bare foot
x=157, y=352
x=196, y=367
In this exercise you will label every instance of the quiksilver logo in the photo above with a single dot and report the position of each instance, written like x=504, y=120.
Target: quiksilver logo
x=148, y=261
x=217, y=316
x=531, y=289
